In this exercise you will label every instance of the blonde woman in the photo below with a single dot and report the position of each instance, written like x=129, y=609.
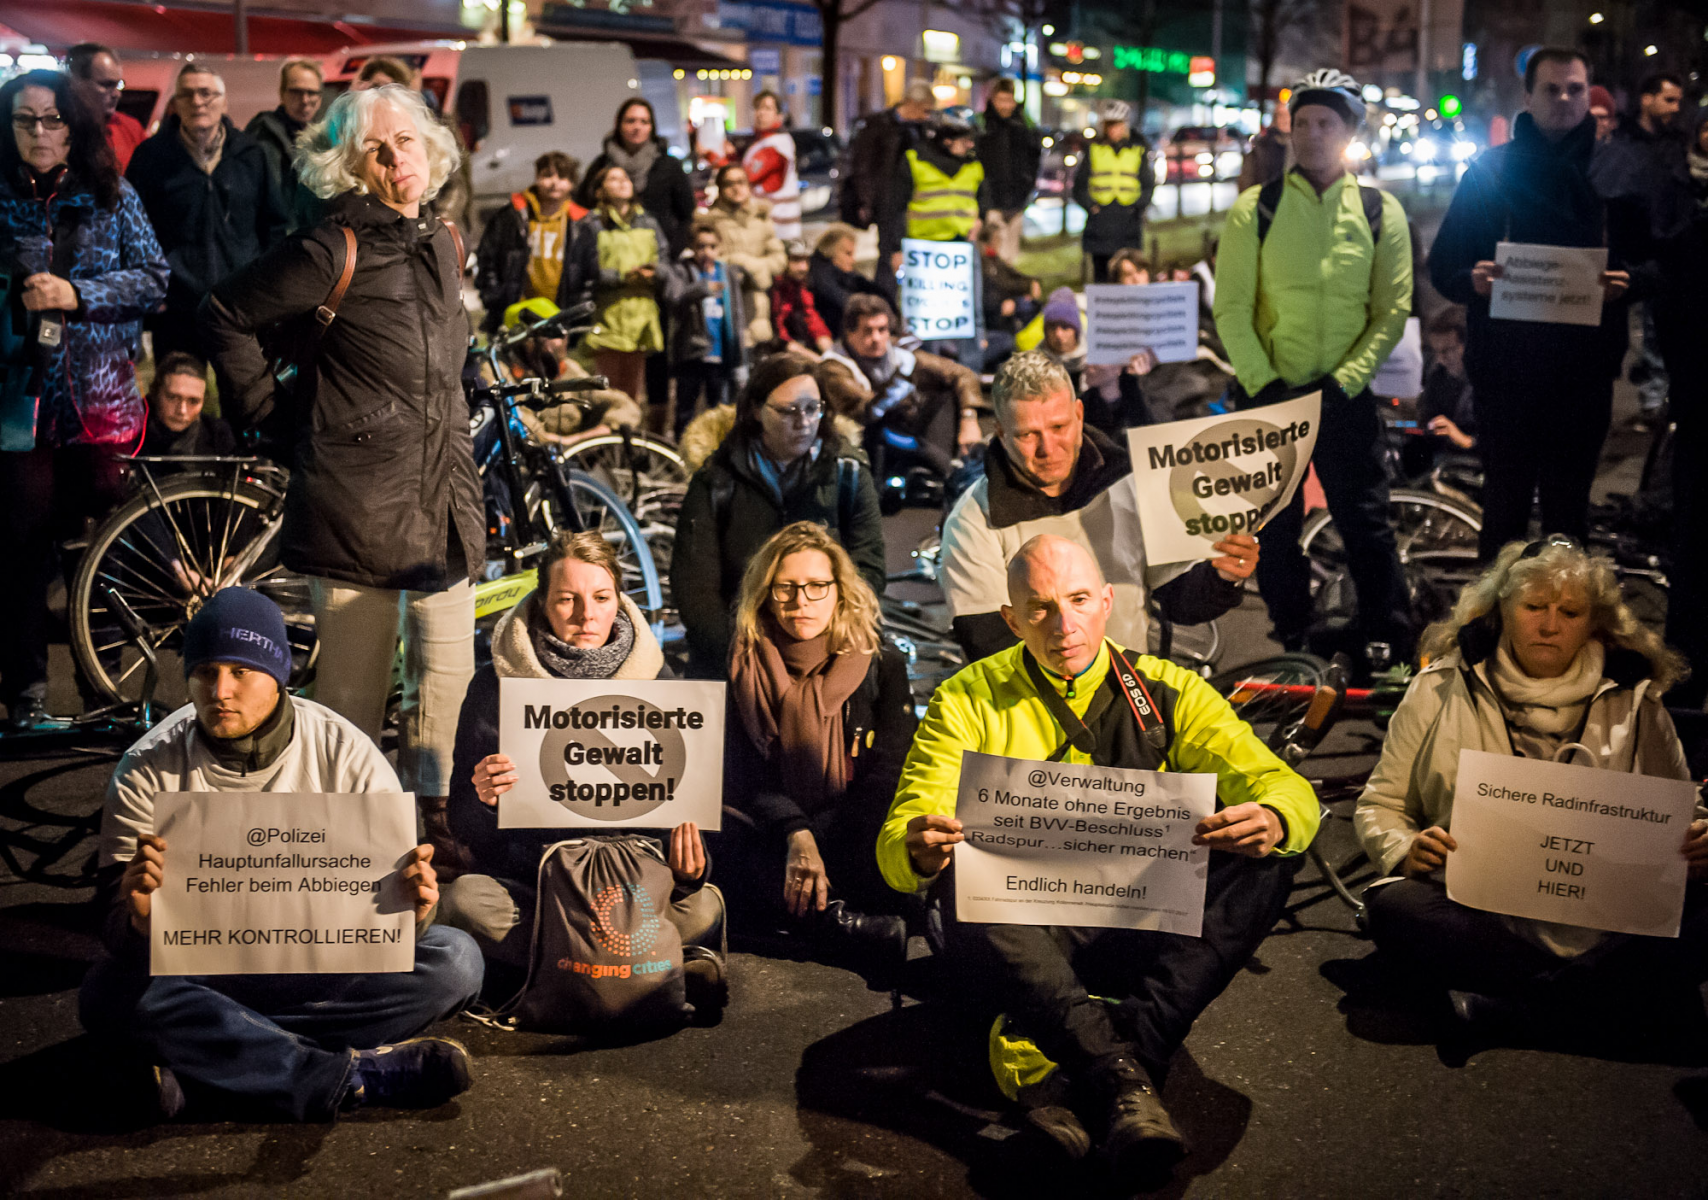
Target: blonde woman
x=821, y=717
x=384, y=510
x=1540, y=659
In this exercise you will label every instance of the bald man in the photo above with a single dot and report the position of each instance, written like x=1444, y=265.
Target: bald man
x=1112, y=1052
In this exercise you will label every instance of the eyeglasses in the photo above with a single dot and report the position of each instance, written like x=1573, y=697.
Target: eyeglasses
x=1553, y=539
x=302, y=93
x=199, y=95
x=51, y=123
x=798, y=413
x=814, y=589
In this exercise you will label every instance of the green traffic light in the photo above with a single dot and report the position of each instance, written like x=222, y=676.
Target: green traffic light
x=1450, y=106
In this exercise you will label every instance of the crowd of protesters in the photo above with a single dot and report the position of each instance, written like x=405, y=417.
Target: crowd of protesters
x=792, y=382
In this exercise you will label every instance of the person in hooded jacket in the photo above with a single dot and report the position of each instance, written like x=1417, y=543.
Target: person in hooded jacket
x=384, y=509
x=783, y=462
x=1540, y=659
x=525, y=245
x=1010, y=148
x=578, y=625
x=211, y=198
x=1544, y=391
x=69, y=410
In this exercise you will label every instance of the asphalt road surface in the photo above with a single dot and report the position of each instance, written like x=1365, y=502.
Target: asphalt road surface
x=1313, y=1076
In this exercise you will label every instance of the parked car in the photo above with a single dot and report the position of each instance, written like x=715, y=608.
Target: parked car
x=1203, y=154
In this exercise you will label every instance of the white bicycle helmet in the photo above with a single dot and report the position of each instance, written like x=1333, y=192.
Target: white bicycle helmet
x=1334, y=88
x=1117, y=110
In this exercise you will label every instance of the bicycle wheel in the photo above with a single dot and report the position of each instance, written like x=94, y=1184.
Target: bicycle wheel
x=1195, y=647
x=163, y=552
x=587, y=504
x=1437, y=538
x=631, y=465
x=1271, y=693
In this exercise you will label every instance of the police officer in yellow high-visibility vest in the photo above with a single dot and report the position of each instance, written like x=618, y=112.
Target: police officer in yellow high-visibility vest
x=1113, y=185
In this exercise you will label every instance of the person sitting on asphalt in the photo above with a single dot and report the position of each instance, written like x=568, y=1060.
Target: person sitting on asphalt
x=1046, y=472
x=1113, y=395
x=1112, y=1049
x=176, y=424
x=794, y=309
x=832, y=277
x=884, y=386
x=821, y=716
x=301, y=1047
x=578, y=625
x=783, y=462
x=1540, y=659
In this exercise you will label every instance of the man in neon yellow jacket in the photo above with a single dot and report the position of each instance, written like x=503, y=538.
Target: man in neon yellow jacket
x=1313, y=287
x=1112, y=1051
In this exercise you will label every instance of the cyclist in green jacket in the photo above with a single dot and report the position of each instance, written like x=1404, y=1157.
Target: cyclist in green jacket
x=1114, y=1050
x=1313, y=287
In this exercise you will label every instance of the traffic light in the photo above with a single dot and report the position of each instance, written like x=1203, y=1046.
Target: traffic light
x=1450, y=107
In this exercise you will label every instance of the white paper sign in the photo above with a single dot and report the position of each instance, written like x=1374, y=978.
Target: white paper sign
x=1071, y=844
x=1574, y=845
x=1557, y=284
x=605, y=753
x=1202, y=479
x=260, y=883
x=1401, y=373
x=937, y=289
x=1122, y=320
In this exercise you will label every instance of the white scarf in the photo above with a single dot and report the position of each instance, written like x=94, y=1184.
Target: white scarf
x=1550, y=707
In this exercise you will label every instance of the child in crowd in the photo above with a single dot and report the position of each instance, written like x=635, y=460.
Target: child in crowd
x=706, y=352
x=794, y=310
x=1112, y=393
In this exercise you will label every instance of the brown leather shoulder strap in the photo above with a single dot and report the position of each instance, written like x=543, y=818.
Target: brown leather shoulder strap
x=457, y=240
x=326, y=312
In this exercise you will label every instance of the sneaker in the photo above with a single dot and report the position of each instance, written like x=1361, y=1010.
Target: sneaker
x=168, y=1096
x=421, y=1072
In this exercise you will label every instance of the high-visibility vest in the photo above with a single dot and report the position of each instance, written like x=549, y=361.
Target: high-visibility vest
x=943, y=208
x=1115, y=173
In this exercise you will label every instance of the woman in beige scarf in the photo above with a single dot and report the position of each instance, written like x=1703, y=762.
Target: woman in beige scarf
x=821, y=717
x=1540, y=659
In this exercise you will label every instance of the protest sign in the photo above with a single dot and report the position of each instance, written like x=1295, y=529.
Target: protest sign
x=1052, y=843
x=1574, y=845
x=598, y=753
x=1123, y=320
x=260, y=883
x=1557, y=284
x=1401, y=373
x=1200, y=480
x=938, y=294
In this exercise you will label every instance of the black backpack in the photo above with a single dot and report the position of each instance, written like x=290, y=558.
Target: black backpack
x=1269, y=199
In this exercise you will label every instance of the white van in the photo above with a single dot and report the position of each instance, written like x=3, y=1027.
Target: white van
x=512, y=102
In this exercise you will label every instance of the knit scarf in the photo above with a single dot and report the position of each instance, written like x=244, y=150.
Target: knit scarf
x=206, y=157
x=790, y=694
x=1549, y=708
x=780, y=481
x=572, y=662
x=636, y=164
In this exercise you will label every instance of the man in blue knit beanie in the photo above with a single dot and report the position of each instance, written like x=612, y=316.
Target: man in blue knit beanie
x=303, y=1047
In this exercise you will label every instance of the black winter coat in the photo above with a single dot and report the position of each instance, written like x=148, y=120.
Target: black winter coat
x=832, y=288
x=1114, y=227
x=208, y=225
x=383, y=489
x=729, y=514
x=668, y=196
x=878, y=143
x=277, y=134
x=686, y=295
x=206, y=437
x=1534, y=190
x=1010, y=150
x=878, y=719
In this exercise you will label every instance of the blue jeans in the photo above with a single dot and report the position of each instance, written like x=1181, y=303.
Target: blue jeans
x=281, y=1042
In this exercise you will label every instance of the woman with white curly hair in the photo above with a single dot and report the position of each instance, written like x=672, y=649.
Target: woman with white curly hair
x=1540, y=659
x=384, y=508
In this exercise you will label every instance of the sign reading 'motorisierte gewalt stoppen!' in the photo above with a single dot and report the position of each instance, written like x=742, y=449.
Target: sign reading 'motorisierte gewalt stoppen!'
x=593, y=753
x=1200, y=480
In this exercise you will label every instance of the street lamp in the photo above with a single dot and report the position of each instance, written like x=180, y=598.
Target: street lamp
x=1650, y=51
x=1596, y=18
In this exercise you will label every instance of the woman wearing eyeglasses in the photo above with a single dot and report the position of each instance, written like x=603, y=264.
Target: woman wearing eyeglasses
x=783, y=462
x=1540, y=659
x=84, y=267
x=821, y=717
